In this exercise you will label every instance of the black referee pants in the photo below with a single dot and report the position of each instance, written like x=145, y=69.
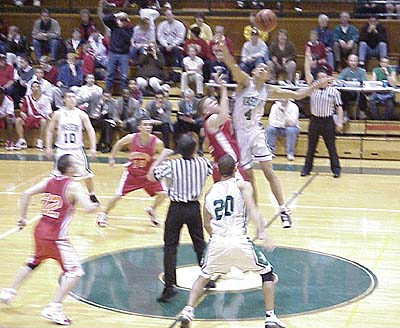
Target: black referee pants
x=325, y=127
x=178, y=215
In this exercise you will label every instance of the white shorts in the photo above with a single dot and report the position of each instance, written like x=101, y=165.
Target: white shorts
x=253, y=147
x=82, y=164
x=224, y=252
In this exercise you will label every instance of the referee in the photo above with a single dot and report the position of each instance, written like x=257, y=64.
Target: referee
x=323, y=104
x=186, y=179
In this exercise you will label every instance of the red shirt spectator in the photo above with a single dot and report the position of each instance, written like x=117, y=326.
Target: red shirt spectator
x=218, y=35
x=87, y=26
x=6, y=73
x=202, y=47
x=50, y=72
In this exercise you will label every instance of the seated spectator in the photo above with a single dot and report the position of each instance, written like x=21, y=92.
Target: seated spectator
x=192, y=71
x=22, y=75
x=205, y=30
x=160, y=110
x=16, y=45
x=75, y=44
x=282, y=53
x=46, y=34
x=69, y=78
x=373, y=41
x=188, y=119
x=388, y=74
x=7, y=118
x=345, y=39
x=87, y=26
x=316, y=48
x=219, y=36
x=316, y=65
x=99, y=45
x=219, y=68
x=88, y=96
x=150, y=73
x=253, y=52
x=326, y=37
x=46, y=87
x=171, y=37
x=366, y=8
x=202, y=47
x=35, y=113
x=142, y=35
x=135, y=91
x=50, y=71
x=393, y=10
x=353, y=73
x=283, y=121
x=248, y=28
x=3, y=36
x=88, y=66
x=128, y=112
x=6, y=74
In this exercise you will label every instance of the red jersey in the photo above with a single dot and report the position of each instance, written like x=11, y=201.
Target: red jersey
x=56, y=210
x=141, y=156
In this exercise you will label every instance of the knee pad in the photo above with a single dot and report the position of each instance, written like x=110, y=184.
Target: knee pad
x=267, y=277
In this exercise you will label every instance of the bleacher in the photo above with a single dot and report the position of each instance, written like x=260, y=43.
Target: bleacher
x=360, y=139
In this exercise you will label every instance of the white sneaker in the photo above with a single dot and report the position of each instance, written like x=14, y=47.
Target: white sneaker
x=186, y=316
x=39, y=144
x=102, y=219
x=36, y=3
x=153, y=219
x=54, y=312
x=273, y=322
x=290, y=157
x=21, y=144
x=7, y=295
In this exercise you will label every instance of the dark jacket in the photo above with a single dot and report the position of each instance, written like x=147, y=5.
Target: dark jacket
x=120, y=40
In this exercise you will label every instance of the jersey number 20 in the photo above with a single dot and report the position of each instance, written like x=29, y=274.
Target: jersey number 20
x=223, y=207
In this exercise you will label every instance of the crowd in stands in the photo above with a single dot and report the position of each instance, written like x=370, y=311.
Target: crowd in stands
x=166, y=52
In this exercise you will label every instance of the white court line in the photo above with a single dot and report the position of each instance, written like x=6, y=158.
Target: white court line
x=16, y=229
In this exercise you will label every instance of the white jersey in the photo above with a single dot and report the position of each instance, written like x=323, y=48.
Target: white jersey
x=249, y=107
x=226, y=205
x=69, y=129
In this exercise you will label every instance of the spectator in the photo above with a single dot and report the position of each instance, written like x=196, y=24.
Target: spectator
x=135, y=91
x=46, y=87
x=87, y=26
x=171, y=37
x=219, y=68
x=75, y=44
x=253, y=52
x=282, y=53
x=17, y=45
x=88, y=96
x=326, y=37
x=192, y=71
x=316, y=66
x=205, y=30
x=188, y=119
x=7, y=118
x=383, y=73
x=373, y=41
x=99, y=45
x=22, y=75
x=316, y=48
x=151, y=63
x=6, y=74
x=128, y=112
x=219, y=36
x=248, y=28
x=121, y=34
x=345, y=38
x=283, y=121
x=35, y=112
x=88, y=62
x=160, y=110
x=203, y=49
x=143, y=34
x=50, y=71
x=46, y=34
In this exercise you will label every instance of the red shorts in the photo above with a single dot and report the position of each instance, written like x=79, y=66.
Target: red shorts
x=59, y=250
x=31, y=122
x=131, y=182
x=240, y=173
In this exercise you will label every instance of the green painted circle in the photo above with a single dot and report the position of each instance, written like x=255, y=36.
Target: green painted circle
x=309, y=281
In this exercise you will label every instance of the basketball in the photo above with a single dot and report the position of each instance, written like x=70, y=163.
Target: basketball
x=266, y=20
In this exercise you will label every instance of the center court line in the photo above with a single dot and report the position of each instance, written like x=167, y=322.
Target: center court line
x=16, y=229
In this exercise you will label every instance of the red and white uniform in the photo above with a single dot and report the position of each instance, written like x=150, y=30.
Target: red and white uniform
x=6, y=108
x=35, y=110
x=140, y=160
x=51, y=231
x=221, y=143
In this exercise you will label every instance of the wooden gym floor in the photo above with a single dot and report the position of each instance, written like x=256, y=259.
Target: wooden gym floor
x=356, y=217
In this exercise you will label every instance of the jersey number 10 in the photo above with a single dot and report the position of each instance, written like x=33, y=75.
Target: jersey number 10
x=69, y=138
x=223, y=207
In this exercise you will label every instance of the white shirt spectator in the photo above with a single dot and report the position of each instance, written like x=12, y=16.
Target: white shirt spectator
x=282, y=116
x=171, y=34
x=45, y=86
x=251, y=51
x=193, y=65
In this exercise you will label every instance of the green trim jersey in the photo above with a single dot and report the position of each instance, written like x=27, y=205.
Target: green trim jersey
x=69, y=129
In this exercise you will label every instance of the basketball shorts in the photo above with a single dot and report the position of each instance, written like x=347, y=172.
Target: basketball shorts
x=31, y=122
x=59, y=250
x=130, y=182
x=82, y=164
x=224, y=252
x=253, y=147
x=3, y=122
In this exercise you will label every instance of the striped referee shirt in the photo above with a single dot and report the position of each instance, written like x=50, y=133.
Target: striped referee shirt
x=324, y=101
x=187, y=177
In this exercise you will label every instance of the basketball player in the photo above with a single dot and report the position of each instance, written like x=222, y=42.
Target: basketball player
x=142, y=148
x=218, y=129
x=225, y=211
x=251, y=95
x=69, y=122
x=35, y=113
x=60, y=195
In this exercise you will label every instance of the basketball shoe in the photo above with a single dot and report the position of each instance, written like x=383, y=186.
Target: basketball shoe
x=39, y=144
x=7, y=295
x=54, y=312
x=286, y=219
x=102, y=219
x=153, y=219
x=272, y=321
x=21, y=144
x=9, y=145
x=186, y=316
